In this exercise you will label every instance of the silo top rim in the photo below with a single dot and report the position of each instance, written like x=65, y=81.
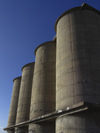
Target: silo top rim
x=83, y=6
x=19, y=77
x=53, y=41
x=32, y=63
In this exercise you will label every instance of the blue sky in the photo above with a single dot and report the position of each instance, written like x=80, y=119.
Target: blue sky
x=24, y=24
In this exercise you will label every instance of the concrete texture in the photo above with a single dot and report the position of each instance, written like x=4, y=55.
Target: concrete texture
x=11, y=131
x=14, y=103
x=78, y=69
x=43, y=89
x=21, y=129
x=42, y=128
x=79, y=123
x=25, y=96
x=78, y=55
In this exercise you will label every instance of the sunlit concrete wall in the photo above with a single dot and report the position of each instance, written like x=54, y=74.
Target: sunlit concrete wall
x=25, y=96
x=43, y=89
x=78, y=67
x=14, y=103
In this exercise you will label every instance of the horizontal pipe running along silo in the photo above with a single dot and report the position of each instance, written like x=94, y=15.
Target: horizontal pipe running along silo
x=43, y=89
x=14, y=103
x=78, y=67
x=25, y=96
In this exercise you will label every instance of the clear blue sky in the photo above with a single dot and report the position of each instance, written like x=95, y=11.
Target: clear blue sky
x=24, y=24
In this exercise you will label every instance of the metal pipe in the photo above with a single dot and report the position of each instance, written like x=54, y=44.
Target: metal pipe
x=77, y=108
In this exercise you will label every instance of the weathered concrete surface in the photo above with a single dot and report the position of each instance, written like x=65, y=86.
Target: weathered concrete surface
x=14, y=102
x=25, y=96
x=43, y=89
x=80, y=123
x=78, y=69
x=11, y=131
x=78, y=55
x=21, y=129
x=42, y=128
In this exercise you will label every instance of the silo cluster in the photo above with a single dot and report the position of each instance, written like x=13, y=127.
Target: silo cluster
x=66, y=72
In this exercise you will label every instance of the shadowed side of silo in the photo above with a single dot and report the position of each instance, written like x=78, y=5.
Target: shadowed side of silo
x=78, y=68
x=25, y=97
x=43, y=89
x=14, y=103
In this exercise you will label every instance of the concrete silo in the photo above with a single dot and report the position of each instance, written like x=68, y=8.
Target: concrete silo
x=43, y=89
x=78, y=67
x=25, y=96
x=14, y=103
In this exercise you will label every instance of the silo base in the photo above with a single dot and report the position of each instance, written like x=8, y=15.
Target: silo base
x=79, y=123
x=21, y=130
x=10, y=131
x=42, y=128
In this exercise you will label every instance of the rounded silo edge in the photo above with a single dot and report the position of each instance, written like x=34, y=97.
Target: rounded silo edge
x=52, y=41
x=27, y=65
x=84, y=6
x=19, y=77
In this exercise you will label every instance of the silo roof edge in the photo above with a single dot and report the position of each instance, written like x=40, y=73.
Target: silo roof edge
x=83, y=6
x=52, y=41
x=19, y=77
x=27, y=65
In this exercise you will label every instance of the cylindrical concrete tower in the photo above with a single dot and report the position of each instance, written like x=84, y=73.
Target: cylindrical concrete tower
x=25, y=96
x=43, y=89
x=78, y=55
x=78, y=67
x=14, y=103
